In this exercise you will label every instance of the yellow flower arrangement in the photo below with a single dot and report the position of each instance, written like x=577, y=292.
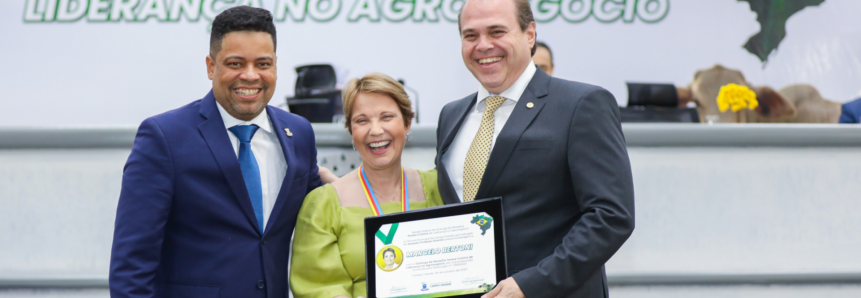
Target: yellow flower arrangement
x=736, y=97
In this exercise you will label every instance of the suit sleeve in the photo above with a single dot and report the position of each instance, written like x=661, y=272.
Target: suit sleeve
x=313, y=174
x=144, y=205
x=604, y=191
x=438, y=141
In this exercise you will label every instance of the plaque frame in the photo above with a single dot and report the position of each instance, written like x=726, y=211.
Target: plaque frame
x=491, y=206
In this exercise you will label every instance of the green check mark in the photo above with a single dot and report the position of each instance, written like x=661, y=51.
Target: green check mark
x=387, y=239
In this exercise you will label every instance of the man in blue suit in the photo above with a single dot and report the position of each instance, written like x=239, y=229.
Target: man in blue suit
x=211, y=190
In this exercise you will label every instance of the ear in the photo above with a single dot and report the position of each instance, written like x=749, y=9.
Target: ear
x=531, y=34
x=685, y=96
x=275, y=67
x=210, y=66
x=772, y=104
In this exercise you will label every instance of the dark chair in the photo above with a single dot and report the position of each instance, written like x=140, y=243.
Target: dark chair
x=316, y=96
x=656, y=103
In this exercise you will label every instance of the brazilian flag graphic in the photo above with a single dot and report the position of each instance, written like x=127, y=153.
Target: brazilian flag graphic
x=483, y=221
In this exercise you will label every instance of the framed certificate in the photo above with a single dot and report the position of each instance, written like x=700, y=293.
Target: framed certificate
x=448, y=251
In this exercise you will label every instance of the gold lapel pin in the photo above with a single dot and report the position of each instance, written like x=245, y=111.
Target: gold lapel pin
x=529, y=105
x=287, y=130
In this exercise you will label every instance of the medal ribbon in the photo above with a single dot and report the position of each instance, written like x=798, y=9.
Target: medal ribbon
x=372, y=198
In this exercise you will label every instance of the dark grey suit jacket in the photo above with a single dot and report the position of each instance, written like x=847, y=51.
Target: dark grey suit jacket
x=562, y=170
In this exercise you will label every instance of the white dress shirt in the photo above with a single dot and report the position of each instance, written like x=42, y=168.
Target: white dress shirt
x=455, y=157
x=267, y=151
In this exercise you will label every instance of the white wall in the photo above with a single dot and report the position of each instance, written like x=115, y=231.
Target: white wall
x=708, y=210
x=57, y=210
x=700, y=210
x=86, y=72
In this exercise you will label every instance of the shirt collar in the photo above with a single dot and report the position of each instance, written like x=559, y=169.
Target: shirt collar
x=516, y=90
x=261, y=120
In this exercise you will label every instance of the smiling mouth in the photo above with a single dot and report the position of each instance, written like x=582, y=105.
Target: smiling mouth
x=247, y=92
x=488, y=60
x=379, y=147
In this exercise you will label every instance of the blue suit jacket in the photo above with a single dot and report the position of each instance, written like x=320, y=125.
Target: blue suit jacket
x=185, y=226
x=851, y=112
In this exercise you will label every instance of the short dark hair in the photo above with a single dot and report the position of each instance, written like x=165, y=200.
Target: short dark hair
x=240, y=18
x=523, y=13
x=539, y=44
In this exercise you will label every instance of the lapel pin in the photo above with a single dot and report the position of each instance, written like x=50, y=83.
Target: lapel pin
x=287, y=130
x=529, y=105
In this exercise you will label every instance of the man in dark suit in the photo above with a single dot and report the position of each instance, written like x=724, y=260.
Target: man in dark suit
x=211, y=190
x=552, y=149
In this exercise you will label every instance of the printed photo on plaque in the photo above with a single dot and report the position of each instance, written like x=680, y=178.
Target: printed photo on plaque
x=449, y=251
x=390, y=258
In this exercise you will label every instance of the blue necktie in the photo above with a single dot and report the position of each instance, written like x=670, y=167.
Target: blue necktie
x=250, y=170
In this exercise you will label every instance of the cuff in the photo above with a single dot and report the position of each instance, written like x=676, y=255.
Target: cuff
x=532, y=283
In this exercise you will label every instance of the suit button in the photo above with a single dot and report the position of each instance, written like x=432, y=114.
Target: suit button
x=264, y=241
x=260, y=284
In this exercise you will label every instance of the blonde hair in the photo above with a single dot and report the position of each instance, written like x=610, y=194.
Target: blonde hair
x=377, y=83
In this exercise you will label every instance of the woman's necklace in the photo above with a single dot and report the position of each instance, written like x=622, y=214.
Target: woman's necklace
x=394, y=196
x=372, y=198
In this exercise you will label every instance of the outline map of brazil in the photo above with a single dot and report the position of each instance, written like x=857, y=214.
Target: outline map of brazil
x=772, y=16
x=483, y=221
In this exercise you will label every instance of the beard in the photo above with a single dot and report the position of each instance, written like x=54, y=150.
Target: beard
x=245, y=110
x=236, y=107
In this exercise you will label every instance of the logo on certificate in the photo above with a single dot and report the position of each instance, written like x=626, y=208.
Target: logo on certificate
x=389, y=258
x=483, y=221
x=486, y=287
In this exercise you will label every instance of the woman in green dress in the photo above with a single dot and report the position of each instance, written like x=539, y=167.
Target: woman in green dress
x=329, y=246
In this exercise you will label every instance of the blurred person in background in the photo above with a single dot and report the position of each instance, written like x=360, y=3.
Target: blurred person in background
x=850, y=112
x=543, y=57
x=211, y=190
x=552, y=149
x=328, y=249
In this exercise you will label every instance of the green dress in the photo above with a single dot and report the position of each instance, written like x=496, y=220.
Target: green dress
x=329, y=245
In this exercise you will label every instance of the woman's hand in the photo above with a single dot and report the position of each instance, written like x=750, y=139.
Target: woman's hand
x=327, y=176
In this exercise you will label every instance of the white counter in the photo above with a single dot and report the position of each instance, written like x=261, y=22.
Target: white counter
x=715, y=204
x=636, y=135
